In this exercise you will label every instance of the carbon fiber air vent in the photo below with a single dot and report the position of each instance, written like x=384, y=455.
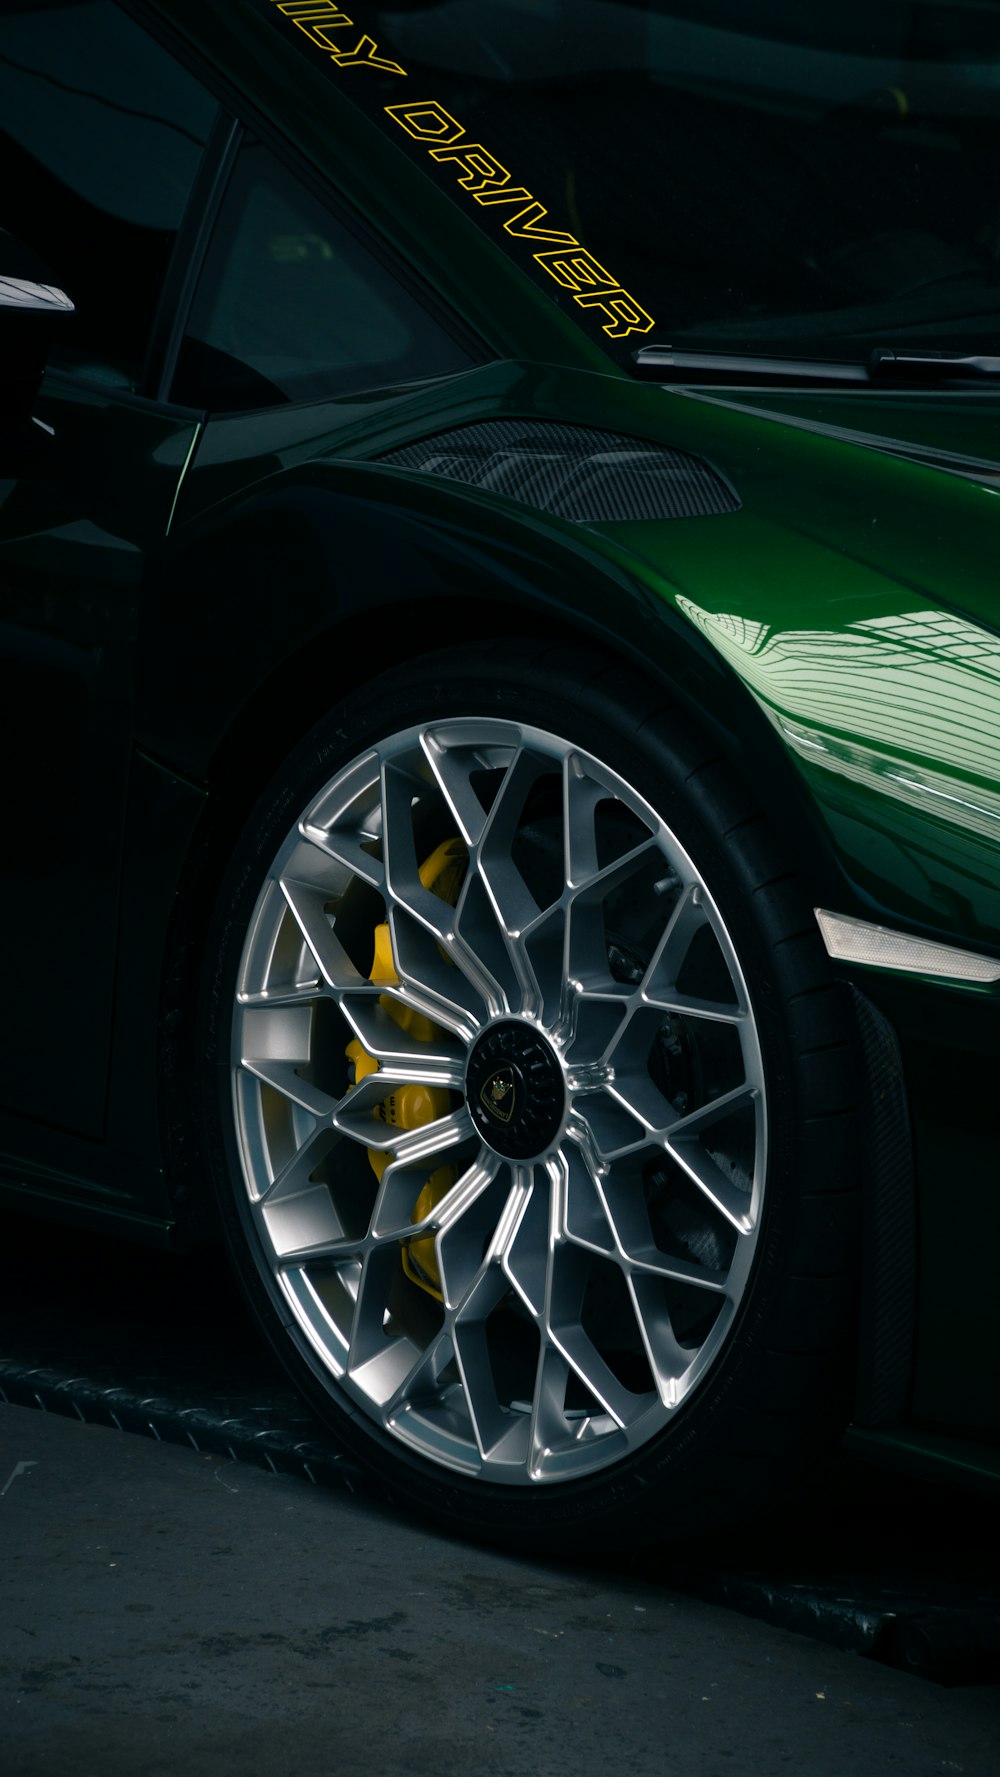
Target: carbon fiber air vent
x=574, y=472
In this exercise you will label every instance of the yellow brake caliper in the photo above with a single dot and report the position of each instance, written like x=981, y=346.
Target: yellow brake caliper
x=411, y=1106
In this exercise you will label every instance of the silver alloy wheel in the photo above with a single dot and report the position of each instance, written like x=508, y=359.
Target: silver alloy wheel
x=528, y=1278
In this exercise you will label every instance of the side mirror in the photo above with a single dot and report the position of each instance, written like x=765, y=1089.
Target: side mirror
x=30, y=309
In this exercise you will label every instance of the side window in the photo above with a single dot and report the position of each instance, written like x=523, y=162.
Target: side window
x=292, y=306
x=101, y=137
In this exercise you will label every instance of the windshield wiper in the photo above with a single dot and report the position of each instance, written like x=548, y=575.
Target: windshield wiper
x=932, y=367
x=885, y=363
x=666, y=365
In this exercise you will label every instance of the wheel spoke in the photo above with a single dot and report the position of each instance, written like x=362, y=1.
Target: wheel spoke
x=354, y=851
x=295, y=1177
x=586, y=961
x=566, y=1351
x=622, y=1231
x=284, y=1077
x=357, y=1116
x=514, y=906
x=581, y=797
x=472, y=1354
x=668, y=1359
x=523, y=1242
x=294, y=1247
x=684, y=1144
x=344, y=823
x=271, y=974
x=692, y=1123
x=444, y=986
x=297, y=1208
x=393, y=1214
x=398, y=1379
x=459, y=751
x=649, y=1263
x=603, y=880
x=379, y=1268
x=505, y=979
x=688, y=922
x=423, y=1375
x=401, y=1055
x=549, y=1425
x=473, y=1247
x=590, y=1369
x=400, y=788
x=303, y=993
x=308, y=907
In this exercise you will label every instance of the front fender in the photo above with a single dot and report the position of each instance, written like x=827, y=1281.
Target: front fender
x=327, y=575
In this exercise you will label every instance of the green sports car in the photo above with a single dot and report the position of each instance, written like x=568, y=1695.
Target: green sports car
x=501, y=697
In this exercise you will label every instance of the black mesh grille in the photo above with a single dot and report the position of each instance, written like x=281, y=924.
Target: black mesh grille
x=574, y=472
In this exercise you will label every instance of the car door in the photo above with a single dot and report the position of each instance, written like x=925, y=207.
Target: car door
x=102, y=146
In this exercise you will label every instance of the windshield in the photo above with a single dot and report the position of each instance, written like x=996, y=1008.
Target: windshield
x=816, y=180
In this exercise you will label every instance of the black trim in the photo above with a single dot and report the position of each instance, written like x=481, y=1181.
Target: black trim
x=188, y=256
x=887, y=1318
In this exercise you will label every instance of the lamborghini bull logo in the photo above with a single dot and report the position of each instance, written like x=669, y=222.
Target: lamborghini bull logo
x=498, y=1096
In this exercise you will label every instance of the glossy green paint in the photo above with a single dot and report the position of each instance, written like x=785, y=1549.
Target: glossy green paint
x=838, y=599
x=888, y=704
x=842, y=629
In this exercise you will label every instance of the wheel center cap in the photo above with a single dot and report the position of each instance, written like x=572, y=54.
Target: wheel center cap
x=515, y=1090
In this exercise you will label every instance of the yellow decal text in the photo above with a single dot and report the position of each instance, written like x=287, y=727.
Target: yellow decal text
x=427, y=122
x=318, y=17
x=626, y=315
x=479, y=172
x=483, y=171
x=525, y=225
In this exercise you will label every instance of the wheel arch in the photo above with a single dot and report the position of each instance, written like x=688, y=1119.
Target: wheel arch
x=448, y=572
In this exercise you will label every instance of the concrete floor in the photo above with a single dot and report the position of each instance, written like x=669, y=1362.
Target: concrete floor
x=166, y=1611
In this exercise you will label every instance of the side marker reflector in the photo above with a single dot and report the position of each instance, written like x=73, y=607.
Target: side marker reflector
x=855, y=941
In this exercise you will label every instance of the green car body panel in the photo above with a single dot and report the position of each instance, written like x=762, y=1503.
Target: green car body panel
x=838, y=633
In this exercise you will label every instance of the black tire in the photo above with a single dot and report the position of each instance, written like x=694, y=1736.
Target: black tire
x=774, y=1386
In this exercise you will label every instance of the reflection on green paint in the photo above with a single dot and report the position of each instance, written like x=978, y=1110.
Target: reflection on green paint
x=882, y=698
